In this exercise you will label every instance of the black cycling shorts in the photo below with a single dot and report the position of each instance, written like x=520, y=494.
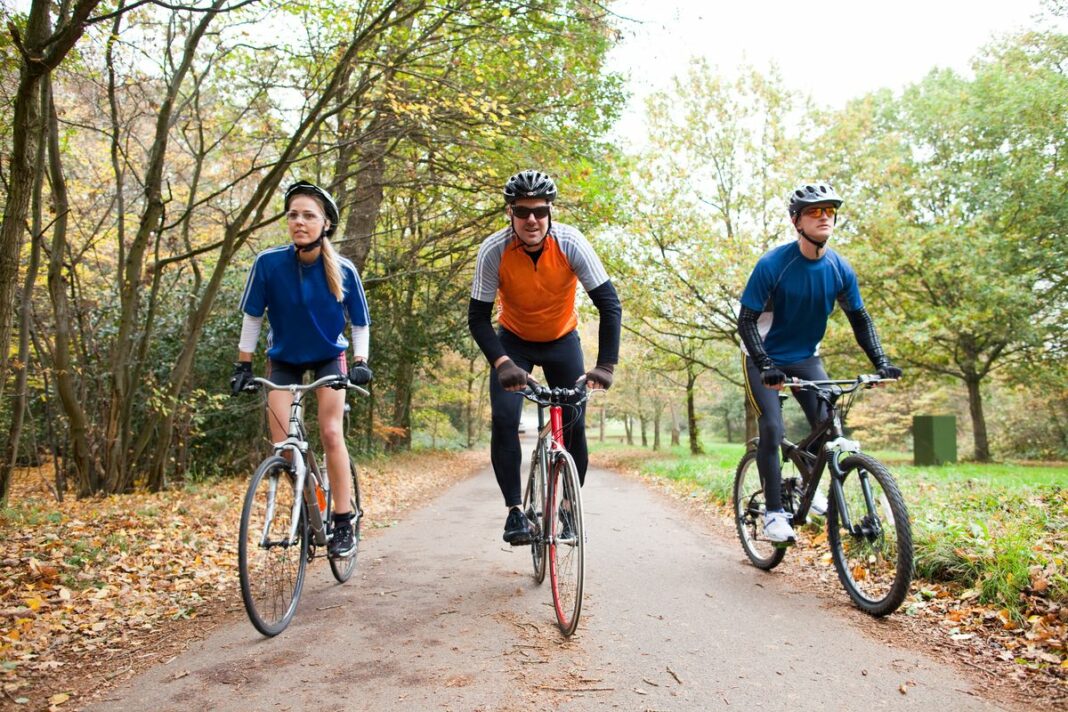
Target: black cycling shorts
x=282, y=373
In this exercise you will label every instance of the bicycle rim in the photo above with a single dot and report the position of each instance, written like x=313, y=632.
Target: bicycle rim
x=874, y=556
x=343, y=568
x=567, y=566
x=271, y=567
x=749, y=508
x=533, y=506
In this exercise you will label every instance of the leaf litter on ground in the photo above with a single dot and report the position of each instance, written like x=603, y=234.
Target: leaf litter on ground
x=92, y=589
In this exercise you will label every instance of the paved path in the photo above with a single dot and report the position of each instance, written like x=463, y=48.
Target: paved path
x=442, y=615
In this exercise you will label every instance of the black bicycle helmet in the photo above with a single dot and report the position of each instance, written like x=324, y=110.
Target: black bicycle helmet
x=303, y=187
x=529, y=184
x=812, y=194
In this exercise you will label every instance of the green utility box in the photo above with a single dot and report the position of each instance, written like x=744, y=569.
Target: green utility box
x=934, y=439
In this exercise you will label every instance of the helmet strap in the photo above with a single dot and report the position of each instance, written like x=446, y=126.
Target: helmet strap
x=311, y=245
x=819, y=245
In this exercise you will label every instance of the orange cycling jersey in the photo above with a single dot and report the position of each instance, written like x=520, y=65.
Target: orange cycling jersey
x=537, y=299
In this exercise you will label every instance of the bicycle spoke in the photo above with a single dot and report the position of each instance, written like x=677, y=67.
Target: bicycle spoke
x=271, y=567
x=870, y=537
x=749, y=507
x=533, y=506
x=566, y=543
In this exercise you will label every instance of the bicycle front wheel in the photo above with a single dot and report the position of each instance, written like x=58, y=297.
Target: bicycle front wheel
x=343, y=568
x=566, y=542
x=749, y=508
x=271, y=562
x=871, y=538
x=534, y=507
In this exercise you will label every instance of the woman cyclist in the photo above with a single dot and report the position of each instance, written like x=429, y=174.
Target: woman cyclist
x=306, y=289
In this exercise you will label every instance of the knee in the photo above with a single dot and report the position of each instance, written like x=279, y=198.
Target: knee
x=332, y=436
x=771, y=432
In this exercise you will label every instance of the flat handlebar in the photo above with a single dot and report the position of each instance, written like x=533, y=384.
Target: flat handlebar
x=842, y=385
x=545, y=396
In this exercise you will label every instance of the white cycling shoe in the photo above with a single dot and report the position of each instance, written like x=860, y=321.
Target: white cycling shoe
x=777, y=528
x=819, y=504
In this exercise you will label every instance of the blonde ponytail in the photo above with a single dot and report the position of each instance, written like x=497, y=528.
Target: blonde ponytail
x=333, y=270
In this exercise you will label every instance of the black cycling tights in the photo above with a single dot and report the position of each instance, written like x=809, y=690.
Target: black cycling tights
x=561, y=360
x=770, y=423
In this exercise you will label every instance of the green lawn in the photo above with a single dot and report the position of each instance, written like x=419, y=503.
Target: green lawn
x=1000, y=529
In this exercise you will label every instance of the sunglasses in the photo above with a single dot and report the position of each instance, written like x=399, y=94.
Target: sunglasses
x=815, y=211
x=541, y=212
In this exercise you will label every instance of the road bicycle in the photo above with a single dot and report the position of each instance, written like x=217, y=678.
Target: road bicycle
x=286, y=519
x=868, y=527
x=552, y=501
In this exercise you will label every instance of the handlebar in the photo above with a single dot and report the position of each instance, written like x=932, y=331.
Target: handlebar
x=337, y=382
x=840, y=385
x=545, y=396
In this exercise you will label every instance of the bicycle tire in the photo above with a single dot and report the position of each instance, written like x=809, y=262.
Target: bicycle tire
x=272, y=575
x=534, y=508
x=343, y=568
x=749, y=508
x=875, y=569
x=567, y=562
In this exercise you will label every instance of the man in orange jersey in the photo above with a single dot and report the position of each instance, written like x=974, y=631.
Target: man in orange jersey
x=535, y=267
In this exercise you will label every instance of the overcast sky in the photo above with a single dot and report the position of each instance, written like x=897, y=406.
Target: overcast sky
x=832, y=50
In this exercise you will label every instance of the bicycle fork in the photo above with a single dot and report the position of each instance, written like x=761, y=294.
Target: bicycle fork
x=870, y=526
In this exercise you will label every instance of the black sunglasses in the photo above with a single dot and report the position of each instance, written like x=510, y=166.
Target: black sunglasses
x=541, y=212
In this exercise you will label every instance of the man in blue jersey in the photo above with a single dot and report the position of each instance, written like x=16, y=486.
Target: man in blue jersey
x=785, y=305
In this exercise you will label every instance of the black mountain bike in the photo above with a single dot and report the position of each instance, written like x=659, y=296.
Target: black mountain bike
x=868, y=527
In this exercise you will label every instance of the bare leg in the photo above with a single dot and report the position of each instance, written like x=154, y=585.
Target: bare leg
x=331, y=413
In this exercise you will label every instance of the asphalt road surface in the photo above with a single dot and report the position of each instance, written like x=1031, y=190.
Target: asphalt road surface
x=442, y=615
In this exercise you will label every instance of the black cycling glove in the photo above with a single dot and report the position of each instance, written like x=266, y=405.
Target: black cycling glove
x=889, y=370
x=601, y=375
x=511, y=375
x=241, y=378
x=360, y=373
x=772, y=377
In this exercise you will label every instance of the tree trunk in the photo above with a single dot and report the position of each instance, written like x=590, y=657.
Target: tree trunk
x=675, y=430
x=600, y=424
x=25, y=139
x=402, y=404
x=975, y=405
x=727, y=425
x=89, y=479
x=691, y=415
x=9, y=458
x=658, y=409
x=629, y=428
x=644, y=424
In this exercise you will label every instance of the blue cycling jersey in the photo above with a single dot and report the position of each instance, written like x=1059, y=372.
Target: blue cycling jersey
x=796, y=295
x=307, y=322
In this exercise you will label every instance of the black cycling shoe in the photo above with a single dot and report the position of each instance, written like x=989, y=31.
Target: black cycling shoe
x=343, y=544
x=517, y=529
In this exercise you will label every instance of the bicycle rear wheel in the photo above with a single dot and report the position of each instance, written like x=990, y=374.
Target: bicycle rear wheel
x=270, y=565
x=343, y=568
x=534, y=506
x=749, y=508
x=871, y=541
x=566, y=542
